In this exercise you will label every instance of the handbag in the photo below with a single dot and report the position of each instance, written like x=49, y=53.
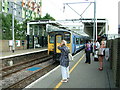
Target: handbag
x=70, y=57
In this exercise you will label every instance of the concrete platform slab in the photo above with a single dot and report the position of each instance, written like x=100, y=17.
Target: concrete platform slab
x=82, y=76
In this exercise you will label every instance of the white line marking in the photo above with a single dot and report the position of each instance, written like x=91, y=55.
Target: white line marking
x=22, y=54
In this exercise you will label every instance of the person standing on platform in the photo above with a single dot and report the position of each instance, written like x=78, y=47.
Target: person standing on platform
x=96, y=47
x=101, y=54
x=91, y=46
x=88, y=51
x=64, y=60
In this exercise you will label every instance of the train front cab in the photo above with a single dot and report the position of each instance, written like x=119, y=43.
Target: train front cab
x=58, y=39
x=55, y=40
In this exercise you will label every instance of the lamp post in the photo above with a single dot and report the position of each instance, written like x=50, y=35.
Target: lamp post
x=13, y=36
x=94, y=29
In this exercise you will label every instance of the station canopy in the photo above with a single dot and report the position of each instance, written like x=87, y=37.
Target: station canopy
x=84, y=26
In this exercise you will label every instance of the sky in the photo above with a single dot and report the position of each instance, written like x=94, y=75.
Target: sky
x=119, y=12
x=107, y=9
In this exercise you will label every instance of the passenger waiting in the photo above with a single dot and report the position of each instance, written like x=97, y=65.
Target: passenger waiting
x=101, y=54
x=64, y=61
x=96, y=47
x=87, y=51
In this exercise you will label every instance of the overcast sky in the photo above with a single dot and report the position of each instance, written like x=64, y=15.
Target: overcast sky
x=119, y=13
x=107, y=9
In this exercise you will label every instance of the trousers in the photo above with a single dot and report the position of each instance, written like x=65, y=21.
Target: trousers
x=65, y=72
x=88, y=57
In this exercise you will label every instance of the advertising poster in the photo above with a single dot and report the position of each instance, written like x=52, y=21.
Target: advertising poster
x=18, y=43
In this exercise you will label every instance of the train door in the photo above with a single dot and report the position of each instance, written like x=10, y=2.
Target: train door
x=57, y=42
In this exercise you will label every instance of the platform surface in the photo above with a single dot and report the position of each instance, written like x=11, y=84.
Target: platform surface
x=81, y=76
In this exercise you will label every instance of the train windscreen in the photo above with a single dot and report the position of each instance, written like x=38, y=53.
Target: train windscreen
x=52, y=39
x=67, y=37
x=59, y=39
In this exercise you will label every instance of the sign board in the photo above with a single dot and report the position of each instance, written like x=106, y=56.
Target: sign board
x=10, y=42
x=18, y=43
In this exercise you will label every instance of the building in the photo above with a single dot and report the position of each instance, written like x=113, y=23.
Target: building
x=23, y=9
x=118, y=29
x=31, y=8
x=4, y=6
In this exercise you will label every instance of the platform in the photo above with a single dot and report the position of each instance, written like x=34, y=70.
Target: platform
x=81, y=76
x=20, y=52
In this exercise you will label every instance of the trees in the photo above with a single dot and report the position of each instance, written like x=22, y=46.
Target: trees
x=19, y=29
x=46, y=17
x=7, y=27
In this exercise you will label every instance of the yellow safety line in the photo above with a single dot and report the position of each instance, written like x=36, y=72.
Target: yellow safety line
x=60, y=83
x=76, y=64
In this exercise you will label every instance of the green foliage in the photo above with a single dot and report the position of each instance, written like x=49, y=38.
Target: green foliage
x=23, y=29
x=19, y=29
x=0, y=26
x=6, y=27
x=46, y=17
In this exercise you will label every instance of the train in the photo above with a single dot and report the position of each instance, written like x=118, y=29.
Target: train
x=75, y=41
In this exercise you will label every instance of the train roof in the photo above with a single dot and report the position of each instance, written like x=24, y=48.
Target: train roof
x=67, y=31
x=61, y=30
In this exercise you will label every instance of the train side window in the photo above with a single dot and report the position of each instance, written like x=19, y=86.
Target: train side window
x=77, y=40
x=81, y=41
x=74, y=40
x=51, y=39
x=67, y=37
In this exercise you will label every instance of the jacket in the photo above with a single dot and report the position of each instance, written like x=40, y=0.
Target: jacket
x=64, y=59
x=88, y=47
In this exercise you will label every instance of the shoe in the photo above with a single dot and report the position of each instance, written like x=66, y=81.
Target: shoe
x=68, y=78
x=100, y=69
x=64, y=80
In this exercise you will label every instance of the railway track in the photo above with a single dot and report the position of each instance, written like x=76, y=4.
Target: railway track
x=26, y=81
x=17, y=67
x=26, y=77
x=21, y=65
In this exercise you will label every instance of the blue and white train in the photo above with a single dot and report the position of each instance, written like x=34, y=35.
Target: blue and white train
x=75, y=41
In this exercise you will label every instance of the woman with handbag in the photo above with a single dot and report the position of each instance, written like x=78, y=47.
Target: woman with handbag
x=64, y=61
x=101, y=54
